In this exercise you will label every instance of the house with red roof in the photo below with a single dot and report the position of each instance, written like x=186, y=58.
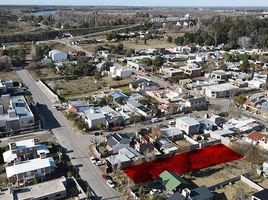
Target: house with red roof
x=258, y=138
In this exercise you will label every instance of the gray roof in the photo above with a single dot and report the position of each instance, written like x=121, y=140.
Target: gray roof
x=200, y=193
x=116, y=138
x=196, y=99
x=189, y=121
x=262, y=195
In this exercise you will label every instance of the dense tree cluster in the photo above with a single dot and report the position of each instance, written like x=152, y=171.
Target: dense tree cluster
x=17, y=55
x=243, y=32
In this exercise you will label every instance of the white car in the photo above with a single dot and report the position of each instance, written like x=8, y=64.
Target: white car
x=99, y=162
x=93, y=160
x=155, y=120
x=110, y=183
x=155, y=191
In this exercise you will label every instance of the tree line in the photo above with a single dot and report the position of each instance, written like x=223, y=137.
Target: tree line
x=234, y=32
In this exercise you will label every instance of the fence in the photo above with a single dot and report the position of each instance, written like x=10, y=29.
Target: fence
x=250, y=183
x=206, y=144
x=190, y=140
x=224, y=183
x=48, y=92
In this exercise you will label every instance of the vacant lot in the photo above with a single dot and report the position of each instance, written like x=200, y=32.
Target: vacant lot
x=43, y=73
x=217, y=174
x=9, y=75
x=72, y=89
x=235, y=191
x=136, y=44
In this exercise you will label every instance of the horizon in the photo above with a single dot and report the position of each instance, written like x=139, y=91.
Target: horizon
x=141, y=3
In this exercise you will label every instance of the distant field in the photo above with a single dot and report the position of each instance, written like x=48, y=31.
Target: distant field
x=131, y=44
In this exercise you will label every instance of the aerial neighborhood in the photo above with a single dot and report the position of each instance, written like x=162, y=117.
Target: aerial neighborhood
x=133, y=103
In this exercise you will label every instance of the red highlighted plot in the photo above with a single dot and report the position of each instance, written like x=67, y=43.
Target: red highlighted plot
x=182, y=163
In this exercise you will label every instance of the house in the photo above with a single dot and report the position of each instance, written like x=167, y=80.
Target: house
x=261, y=195
x=189, y=125
x=221, y=75
x=24, y=150
x=197, y=103
x=171, y=72
x=171, y=181
x=221, y=90
x=25, y=171
x=15, y=113
x=206, y=124
x=200, y=193
x=57, y=56
x=7, y=86
x=126, y=157
x=78, y=106
x=216, y=119
x=244, y=124
x=44, y=190
x=143, y=85
x=165, y=146
x=113, y=118
x=117, y=141
x=118, y=96
x=142, y=110
x=118, y=71
x=172, y=133
x=144, y=144
x=95, y=119
x=257, y=138
x=192, y=71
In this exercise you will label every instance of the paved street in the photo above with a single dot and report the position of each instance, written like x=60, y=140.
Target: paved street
x=75, y=144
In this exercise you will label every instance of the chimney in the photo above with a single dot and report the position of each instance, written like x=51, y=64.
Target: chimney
x=5, y=101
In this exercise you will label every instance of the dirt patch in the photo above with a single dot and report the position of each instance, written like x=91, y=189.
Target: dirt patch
x=9, y=75
x=236, y=191
x=73, y=89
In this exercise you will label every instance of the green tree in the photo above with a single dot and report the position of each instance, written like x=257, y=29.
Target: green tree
x=157, y=62
x=129, y=52
x=239, y=100
x=21, y=55
x=169, y=39
x=179, y=41
x=146, y=61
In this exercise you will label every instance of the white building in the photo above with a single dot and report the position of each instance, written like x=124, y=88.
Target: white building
x=95, y=119
x=221, y=90
x=119, y=71
x=189, y=125
x=15, y=113
x=57, y=56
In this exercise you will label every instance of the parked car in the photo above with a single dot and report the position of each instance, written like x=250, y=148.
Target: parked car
x=110, y=183
x=155, y=120
x=99, y=162
x=93, y=160
x=155, y=191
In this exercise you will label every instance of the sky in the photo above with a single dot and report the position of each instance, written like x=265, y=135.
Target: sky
x=195, y=3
